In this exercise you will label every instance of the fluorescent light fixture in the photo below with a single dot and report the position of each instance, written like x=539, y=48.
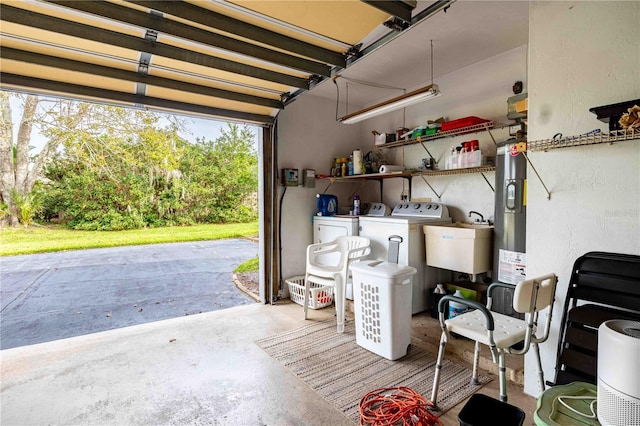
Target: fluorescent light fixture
x=402, y=101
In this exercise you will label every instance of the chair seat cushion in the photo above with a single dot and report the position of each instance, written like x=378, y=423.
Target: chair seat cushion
x=508, y=330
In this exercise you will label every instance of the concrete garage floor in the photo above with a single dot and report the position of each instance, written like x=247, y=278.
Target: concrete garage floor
x=197, y=369
x=51, y=296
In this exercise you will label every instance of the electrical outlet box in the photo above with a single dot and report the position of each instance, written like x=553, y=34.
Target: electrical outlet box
x=289, y=177
x=309, y=178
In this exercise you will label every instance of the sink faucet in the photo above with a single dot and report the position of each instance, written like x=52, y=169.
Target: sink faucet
x=474, y=212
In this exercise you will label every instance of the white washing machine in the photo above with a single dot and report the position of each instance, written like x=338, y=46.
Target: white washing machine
x=328, y=228
x=406, y=221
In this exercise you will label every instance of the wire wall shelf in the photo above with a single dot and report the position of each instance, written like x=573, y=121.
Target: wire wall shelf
x=482, y=127
x=450, y=172
x=585, y=139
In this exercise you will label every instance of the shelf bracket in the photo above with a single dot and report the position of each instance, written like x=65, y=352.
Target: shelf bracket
x=487, y=180
x=431, y=187
x=491, y=134
x=536, y=172
x=425, y=148
x=356, y=190
x=331, y=182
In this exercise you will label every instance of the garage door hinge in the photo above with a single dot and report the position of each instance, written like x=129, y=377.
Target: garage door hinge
x=151, y=35
x=144, y=62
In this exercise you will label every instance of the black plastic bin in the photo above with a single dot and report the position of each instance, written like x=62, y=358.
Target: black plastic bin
x=435, y=299
x=482, y=410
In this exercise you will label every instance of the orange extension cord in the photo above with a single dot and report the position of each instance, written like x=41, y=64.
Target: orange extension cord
x=396, y=406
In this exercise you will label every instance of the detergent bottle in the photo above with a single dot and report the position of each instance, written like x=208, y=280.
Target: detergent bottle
x=456, y=308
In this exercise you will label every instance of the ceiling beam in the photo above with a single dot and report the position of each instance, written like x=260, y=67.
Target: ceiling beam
x=230, y=25
x=397, y=8
x=62, y=26
x=30, y=84
x=163, y=25
x=135, y=77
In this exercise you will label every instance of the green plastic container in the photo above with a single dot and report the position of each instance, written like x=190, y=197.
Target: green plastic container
x=550, y=412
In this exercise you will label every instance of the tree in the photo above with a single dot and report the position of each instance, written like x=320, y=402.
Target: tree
x=91, y=134
x=19, y=172
x=106, y=167
x=221, y=175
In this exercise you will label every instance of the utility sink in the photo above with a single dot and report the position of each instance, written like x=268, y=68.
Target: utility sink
x=482, y=226
x=461, y=246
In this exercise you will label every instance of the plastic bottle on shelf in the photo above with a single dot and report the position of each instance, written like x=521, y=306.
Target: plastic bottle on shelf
x=456, y=308
x=350, y=166
x=463, y=158
x=453, y=159
x=344, y=170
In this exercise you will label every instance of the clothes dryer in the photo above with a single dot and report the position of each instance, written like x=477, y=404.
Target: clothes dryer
x=406, y=221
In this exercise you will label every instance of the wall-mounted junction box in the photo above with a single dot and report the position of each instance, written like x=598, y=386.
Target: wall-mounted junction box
x=289, y=177
x=309, y=178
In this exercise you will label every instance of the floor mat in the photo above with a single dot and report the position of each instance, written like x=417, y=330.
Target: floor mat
x=343, y=372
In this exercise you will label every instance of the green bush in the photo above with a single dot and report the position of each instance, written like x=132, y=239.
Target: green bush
x=28, y=206
x=212, y=185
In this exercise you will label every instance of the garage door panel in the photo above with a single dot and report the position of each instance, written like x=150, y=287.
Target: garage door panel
x=176, y=95
x=65, y=76
x=239, y=58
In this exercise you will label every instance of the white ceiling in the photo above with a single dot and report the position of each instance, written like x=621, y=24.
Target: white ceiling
x=468, y=32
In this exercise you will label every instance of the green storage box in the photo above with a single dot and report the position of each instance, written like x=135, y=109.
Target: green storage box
x=470, y=290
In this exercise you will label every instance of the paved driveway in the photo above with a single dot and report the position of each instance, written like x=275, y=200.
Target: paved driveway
x=51, y=296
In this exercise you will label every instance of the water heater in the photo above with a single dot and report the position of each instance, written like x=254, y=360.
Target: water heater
x=619, y=373
x=509, y=233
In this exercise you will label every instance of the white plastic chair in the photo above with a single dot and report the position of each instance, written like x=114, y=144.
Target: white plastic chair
x=350, y=249
x=501, y=332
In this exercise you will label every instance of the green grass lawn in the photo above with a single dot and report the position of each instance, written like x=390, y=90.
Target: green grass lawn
x=250, y=265
x=41, y=239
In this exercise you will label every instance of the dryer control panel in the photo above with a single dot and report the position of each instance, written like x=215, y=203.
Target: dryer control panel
x=377, y=209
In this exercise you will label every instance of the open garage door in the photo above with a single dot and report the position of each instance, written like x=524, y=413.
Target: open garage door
x=231, y=60
x=238, y=60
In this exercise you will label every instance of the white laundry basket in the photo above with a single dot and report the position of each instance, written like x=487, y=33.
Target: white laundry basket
x=382, y=302
x=320, y=296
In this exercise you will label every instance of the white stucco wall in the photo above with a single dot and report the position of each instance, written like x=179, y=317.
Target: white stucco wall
x=478, y=90
x=309, y=138
x=582, y=54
